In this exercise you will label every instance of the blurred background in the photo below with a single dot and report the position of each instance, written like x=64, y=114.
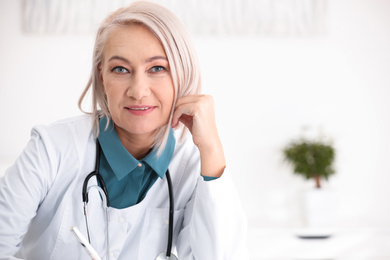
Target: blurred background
x=278, y=70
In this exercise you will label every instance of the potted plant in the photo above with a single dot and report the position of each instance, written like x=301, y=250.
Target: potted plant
x=314, y=160
x=311, y=159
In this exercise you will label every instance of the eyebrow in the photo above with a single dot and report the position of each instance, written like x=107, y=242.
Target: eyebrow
x=146, y=61
x=156, y=58
x=119, y=58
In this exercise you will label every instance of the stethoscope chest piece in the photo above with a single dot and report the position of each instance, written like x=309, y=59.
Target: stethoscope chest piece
x=163, y=256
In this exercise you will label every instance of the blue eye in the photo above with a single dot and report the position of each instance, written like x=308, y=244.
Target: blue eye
x=157, y=69
x=119, y=70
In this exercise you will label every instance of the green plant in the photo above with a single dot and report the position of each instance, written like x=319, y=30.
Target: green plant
x=311, y=159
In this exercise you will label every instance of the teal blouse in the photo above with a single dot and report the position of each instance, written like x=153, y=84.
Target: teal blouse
x=128, y=179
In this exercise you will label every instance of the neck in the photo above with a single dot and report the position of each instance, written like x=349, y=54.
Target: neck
x=137, y=145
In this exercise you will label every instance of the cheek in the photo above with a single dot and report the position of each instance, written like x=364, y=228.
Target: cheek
x=113, y=88
x=113, y=97
x=169, y=96
x=164, y=92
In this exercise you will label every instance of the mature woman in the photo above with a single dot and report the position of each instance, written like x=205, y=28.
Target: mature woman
x=145, y=85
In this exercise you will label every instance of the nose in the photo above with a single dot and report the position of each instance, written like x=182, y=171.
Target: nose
x=138, y=87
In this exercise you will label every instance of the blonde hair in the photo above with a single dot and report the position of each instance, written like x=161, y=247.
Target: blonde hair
x=169, y=30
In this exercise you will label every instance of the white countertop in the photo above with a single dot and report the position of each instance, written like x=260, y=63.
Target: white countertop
x=347, y=244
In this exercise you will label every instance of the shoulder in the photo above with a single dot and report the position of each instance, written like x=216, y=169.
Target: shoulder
x=186, y=158
x=82, y=121
x=65, y=135
x=79, y=125
x=185, y=148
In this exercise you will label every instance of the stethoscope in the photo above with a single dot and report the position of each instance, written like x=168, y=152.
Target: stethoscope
x=106, y=203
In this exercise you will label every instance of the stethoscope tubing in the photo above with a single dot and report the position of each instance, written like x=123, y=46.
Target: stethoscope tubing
x=98, y=176
x=104, y=189
x=171, y=209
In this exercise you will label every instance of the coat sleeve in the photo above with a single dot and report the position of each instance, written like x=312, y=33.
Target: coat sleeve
x=22, y=189
x=214, y=225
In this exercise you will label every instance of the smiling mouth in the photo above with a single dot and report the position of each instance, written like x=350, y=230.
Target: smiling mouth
x=139, y=108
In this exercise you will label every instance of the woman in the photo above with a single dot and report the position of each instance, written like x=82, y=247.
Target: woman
x=145, y=82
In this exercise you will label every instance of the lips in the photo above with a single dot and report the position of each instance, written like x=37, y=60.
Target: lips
x=140, y=110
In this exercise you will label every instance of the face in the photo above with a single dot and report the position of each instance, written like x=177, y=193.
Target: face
x=137, y=81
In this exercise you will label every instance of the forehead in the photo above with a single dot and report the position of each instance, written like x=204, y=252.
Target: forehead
x=131, y=39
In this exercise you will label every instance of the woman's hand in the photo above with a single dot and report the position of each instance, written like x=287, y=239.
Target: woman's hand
x=196, y=112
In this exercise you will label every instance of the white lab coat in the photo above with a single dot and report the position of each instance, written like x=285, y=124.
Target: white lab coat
x=40, y=200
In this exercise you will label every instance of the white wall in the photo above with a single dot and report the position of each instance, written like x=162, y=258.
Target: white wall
x=265, y=90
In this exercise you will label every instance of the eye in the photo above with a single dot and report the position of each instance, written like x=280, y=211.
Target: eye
x=120, y=70
x=157, y=69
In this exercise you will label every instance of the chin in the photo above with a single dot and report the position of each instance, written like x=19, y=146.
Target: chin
x=142, y=130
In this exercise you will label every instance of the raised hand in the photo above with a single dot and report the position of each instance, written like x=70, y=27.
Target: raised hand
x=196, y=112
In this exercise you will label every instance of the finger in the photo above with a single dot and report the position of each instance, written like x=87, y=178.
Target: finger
x=189, y=99
x=187, y=109
x=186, y=120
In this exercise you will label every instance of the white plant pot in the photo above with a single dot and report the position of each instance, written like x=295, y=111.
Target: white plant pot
x=320, y=208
